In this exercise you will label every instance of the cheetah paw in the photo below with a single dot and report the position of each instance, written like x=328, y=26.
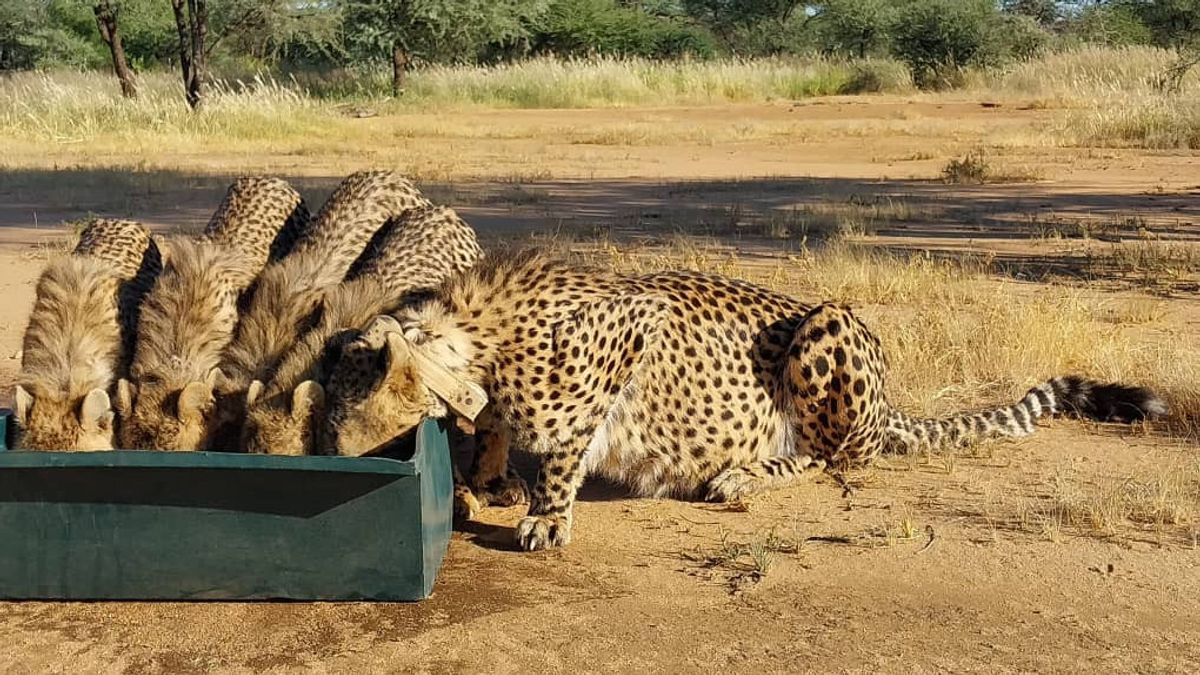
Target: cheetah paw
x=731, y=485
x=507, y=491
x=540, y=532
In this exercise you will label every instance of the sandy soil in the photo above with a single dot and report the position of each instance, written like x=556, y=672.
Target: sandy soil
x=938, y=565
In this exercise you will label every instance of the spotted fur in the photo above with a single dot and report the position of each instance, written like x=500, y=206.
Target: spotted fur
x=675, y=383
x=189, y=316
x=186, y=323
x=416, y=251
x=289, y=292
x=261, y=216
x=75, y=343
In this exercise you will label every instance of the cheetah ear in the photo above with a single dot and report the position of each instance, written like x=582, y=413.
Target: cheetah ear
x=308, y=398
x=215, y=378
x=396, y=354
x=193, y=401
x=464, y=397
x=126, y=392
x=96, y=413
x=23, y=402
x=252, y=394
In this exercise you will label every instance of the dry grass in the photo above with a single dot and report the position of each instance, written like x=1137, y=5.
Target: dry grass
x=739, y=564
x=577, y=83
x=1165, y=504
x=956, y=335
x=1112, y=97
x=976, y=168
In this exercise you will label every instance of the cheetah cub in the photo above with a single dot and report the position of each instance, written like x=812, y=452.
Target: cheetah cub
x=78, y=337
x=189, y=316
x=416, y=251
x=675, y=383
x=288, y=293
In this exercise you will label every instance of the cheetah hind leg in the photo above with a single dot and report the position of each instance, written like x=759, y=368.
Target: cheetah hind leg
x=834, y=374
x=740, y=482
x=493, y=480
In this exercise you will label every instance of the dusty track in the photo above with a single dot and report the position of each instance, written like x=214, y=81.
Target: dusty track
x=941, y=565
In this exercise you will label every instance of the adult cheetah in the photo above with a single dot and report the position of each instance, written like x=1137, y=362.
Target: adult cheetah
x=288, y=293
x=190, y=314
x=78, y=337
x=416, y=251
x=676, y=383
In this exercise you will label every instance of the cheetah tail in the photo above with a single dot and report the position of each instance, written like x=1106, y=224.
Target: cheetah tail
x=1071, y=395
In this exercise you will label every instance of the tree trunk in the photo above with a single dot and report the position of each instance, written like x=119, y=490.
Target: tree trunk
x=106, y=20
x=199, y=66
x=399, y=68
x=191, y=23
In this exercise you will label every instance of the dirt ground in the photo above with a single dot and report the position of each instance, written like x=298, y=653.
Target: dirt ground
x=940, y=564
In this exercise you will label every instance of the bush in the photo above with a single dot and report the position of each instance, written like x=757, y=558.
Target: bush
x=936, y=38
x=1016, y=37
x=1111, y=25
x=601, y=27
x=875, y=76
x=855, y=27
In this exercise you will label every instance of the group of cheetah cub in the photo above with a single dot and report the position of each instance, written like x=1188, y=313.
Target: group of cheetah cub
x=279, y=333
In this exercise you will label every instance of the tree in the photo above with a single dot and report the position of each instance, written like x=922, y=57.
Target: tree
x=937, y=37
x=727, y=17
x=404, y=30
x=855, y=26
x=110, y=32
x=606, y=27
x=1044, y=12
x=191, y=23
x=1172, y=23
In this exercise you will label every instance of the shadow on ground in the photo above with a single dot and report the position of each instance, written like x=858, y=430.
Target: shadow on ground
x=755, y=216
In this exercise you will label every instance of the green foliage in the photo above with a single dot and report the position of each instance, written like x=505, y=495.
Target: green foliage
x=435, y=30
x=29, y=38
x=937, y=38
x=1112, y=25
x=277, y=30
x=1016, y=37
x=855, y=27
x=147, y=31
x=1172, y=23
x=727, y=14
x=1041, y=12
x=602, y=27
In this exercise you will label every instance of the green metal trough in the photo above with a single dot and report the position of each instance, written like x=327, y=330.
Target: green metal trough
x=148, y=525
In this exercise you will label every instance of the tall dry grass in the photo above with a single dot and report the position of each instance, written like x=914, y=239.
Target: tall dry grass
x=1108, y=95
x=75, y=107
x=957, y=335
x=67, y=106
x=1111, y=96
x=617, y=82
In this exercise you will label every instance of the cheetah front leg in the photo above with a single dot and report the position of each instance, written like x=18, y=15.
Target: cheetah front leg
x=833, y=379
x=549, y=521
x=597, y=351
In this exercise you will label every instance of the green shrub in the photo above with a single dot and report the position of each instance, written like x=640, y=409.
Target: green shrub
x=1111, y=25
x=875, y=76
x=936, y=38
x=855, y=27
x=602, y=27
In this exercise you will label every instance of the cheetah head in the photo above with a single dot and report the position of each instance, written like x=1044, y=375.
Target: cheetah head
x=382, y=387
x=157, y=415
x=282, y=424
x=48, y=420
